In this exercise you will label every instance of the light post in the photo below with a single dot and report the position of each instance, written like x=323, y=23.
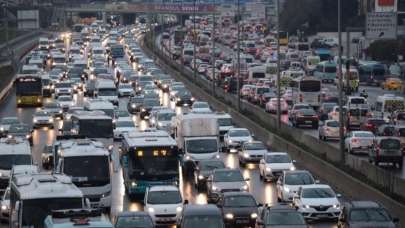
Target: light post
x=195, y=43
x=238, y=58
x=278, y=68
x=341, y=123
x=213, y=50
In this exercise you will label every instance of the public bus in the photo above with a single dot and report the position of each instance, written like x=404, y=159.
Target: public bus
x=308, y=90
x=283, y=37
x=29, y=90
x=326, y=71
x=387, y=104
x=372, y=72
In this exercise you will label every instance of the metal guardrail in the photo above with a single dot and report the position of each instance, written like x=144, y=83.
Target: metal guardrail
x=19, y=39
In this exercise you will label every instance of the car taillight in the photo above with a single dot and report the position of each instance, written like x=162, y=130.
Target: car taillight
x=327, y=129
x=354, y=140
x=301, y=98
x=369, y=125
x=377, y=151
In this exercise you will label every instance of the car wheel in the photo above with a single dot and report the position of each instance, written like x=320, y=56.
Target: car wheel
x=400, y=164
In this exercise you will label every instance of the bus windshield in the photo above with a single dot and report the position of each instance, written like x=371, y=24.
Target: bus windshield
x=310, y=86
x=29, y=86
x=7, y=161
x=87, y=170
x=96, y=128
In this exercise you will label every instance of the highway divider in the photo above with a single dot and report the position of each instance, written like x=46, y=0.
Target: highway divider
x=321, y=158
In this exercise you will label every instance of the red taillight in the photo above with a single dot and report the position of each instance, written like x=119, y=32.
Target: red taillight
x=354, y=140
x=369, y=125
x=327, y=129
x=377, y=151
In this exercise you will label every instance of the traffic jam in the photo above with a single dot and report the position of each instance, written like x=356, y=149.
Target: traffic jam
x=115, y=114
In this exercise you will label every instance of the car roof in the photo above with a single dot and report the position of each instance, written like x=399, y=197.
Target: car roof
x=316, y=186
x=132, y=213
x=229, y=194
x=207, y=209
x=159, y=188
x=363, y=204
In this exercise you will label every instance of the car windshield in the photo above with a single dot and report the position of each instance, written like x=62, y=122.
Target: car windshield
x=239, y=201
x=63, y=85
x=285, y=218
x=133, y=221
x=201, y=105
x=317, y=193
x=125, y=124
x=8, y=161
x=278, y=158
x=164, y=197
x=151, y=102
x=64, y=99
x=202, y=146
x=203, y=221
x=42, y=114
x=239, y=133
x=51, y=105
x=9, y=121
x=211, y=165
x=125, y=86
x=369, y=215
x=363, y=134
x=166, y=116
x=299, y=179
x=14, y=129
x=228, y=176
x=390, y=144
x=254, y=146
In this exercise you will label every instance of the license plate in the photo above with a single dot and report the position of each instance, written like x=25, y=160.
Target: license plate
x=243, y=221
x=308, y=122
x=364, y=147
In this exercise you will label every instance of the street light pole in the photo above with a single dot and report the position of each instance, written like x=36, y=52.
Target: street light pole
x=341, y=124
x=278, y=68
x=213, y=51
x=238, y=58
x=195, y=43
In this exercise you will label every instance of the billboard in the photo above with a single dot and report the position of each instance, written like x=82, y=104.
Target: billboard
x=381, y=25
x=386, y=5
x=28, y=19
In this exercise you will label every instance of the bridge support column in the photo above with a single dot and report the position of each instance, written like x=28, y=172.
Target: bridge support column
x=104, y=17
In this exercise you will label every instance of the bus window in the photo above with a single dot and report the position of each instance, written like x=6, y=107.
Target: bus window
x=310, y=86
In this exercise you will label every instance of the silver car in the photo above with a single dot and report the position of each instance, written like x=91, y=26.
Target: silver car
x=225, y=180
x=329, y=129
x=359, y=142
x=251, y=152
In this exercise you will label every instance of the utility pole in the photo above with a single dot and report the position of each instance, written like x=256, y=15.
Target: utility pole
x=195, y=43
x=238, y=58
x=213, y=50
x=4, y=5
x=348, y=60
x=341, y=124
x=278, y=68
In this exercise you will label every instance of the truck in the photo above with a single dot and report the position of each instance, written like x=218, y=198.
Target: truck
x=197, y=137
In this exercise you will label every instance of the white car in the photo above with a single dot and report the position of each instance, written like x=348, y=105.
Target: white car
x=5, y=206
x=290, y=182
x=5, y=124
x=42, y=118
x=65, y=102
x=334, y=114
x=162, y=119
x=317, y=201
x=123, y=126
x=273, y=164
x=251, y=152
x=125, y=89
x=271, y=106
x=235, y=138
x=201, y=107
x=164, y=204
x=359, y=141
x=329, y=129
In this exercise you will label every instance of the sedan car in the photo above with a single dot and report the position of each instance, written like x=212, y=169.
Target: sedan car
x=162, y=119
x=42, y=118
x=280, y=216
x=20, y=131
x=5, y=124
x=271, y=106
x=225, y=180
x=290, y=182
x=53, y=108
x=125, y=90
x=201, y=107
x=235, y=138
x=329, y=129
x=359, y=214
x=238, y=209
x=130, y=219
x=204, y=169
x=135, y=104
x=317, y=202
x=295, y=108
x=251, y=152
x=359, y=141
x=147, y=106
x=123, y=126
x=305, y=117
x=183, y=98
x=65, y=102
x=274, y=164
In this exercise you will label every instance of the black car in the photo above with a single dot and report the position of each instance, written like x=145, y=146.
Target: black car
x=357, y=214
x=239, y=209
x=129, y=219
x=135, y=104
x=280, y=216
x=183, y=98
x=147, y=106
x=325, y=109
x=22, y=131
x=201, y=216
x=204, y=169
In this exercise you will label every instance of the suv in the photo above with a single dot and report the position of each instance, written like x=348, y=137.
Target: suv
x=280, y=216
x=196, y=215
x=386, y=149
x=365, y=214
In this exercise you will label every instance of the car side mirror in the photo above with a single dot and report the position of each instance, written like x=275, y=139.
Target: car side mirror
x=339, y=195
x=317, y=182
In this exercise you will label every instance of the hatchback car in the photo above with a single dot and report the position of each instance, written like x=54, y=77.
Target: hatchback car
x=5, y=124
x=329, y=129
x=280, y=216
x=135, y=104
x=274, y=164
x=225, y=180
x=201, y=216
x=305, y=117
x=235, y=138
x=42, y=118
x=129, y=219
x=238, y=209
x=271, y=106
x=359, y=141
x=290, y=182
x=201, y=107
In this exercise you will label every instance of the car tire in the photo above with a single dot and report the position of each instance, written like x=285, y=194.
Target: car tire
x=400, y=165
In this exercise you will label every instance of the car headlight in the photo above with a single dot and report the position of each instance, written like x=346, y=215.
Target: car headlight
x=230, y=141
x=133, y=105
x=292, y=168
x=51, y=120
x=179, y=209
x=336, y=206
x=35, y=120
x=160, y=124
x=192, y=99
x=188, y=157
x=246, y=155
x=268, y=169
x=105, y=194
x=60, y=111
x=28, y=136
x=1, y=128
x=200, y=177
x=178, y=99
x=143, y=110
x=286, y=189
x=133, y=184
x=214, y=188
x=245, y=187
x=4, y=207
x=306, y=206
x=253, y=215
x=229, y=216
x=151, y=210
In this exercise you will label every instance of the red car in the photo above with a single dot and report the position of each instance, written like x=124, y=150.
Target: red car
x=306, y=117
x=372, y=124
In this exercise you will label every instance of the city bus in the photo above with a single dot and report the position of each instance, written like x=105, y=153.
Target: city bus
x=387, y=104
x=308, y=90
x=283, y=37
x=326, y=71
x=372, y=72
x=29, y=90
x=148, y=158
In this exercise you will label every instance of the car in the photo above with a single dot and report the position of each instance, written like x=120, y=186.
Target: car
x=225, y=180
x=135, y=104
x=53, y=108
x=317, y=202
x=329, y=129
x=235, y=137
x=358, y=214
x=280, y=216
x=325, y=109
x=201, y=107
x=392, y=84
x=334, y=114
x=372, y=124
x=42, y=118
x=305, y=117
x=251, y=152
x=273, y=164
x=147, y=106
x=162, y=119
x=123, y=126
x=65, y=102
x=5, y=206
x=63, y=88
x=183, y=98
x=271, y=106
x=125, y=90
x=295, y=108
x=5, y=124
x=238, y=209
x=386, y=130
x=386, y=149
x=290, y=182
x=204, y=169
x=20, y=131
x=164, y=204
x=197, y=216
x=359, y=141
x=129, y=219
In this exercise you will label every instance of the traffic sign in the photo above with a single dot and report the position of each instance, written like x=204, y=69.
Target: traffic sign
x=381, y=25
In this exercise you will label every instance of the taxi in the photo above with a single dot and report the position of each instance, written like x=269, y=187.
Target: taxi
x=392, y=84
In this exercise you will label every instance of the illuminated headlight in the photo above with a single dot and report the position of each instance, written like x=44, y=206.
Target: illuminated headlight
x=306, y=206
x=246, y=155
x=1, y=128
x=178, y=99
x=165, y=86
x=35, y=120
x=217, y=156
x=105, y=194
x=286, y=189
x=188, y=157
x=1, y=174
x=133, y=184
x=253, y=215
x=110, y=148
x=245, y=188
x=229, y=216
x=19, y=101
x=133, y=105
x=139, y=88
x=230, y=141
x=143, y=110
x=151, y=210
x=192, y=99
x=28, y=136
x=4, y=208
x=214, y=188
x=179, y=209
x=268, y=169
x=160, y=124
x=292, y=168
x=336, y=206
x=60, y=111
